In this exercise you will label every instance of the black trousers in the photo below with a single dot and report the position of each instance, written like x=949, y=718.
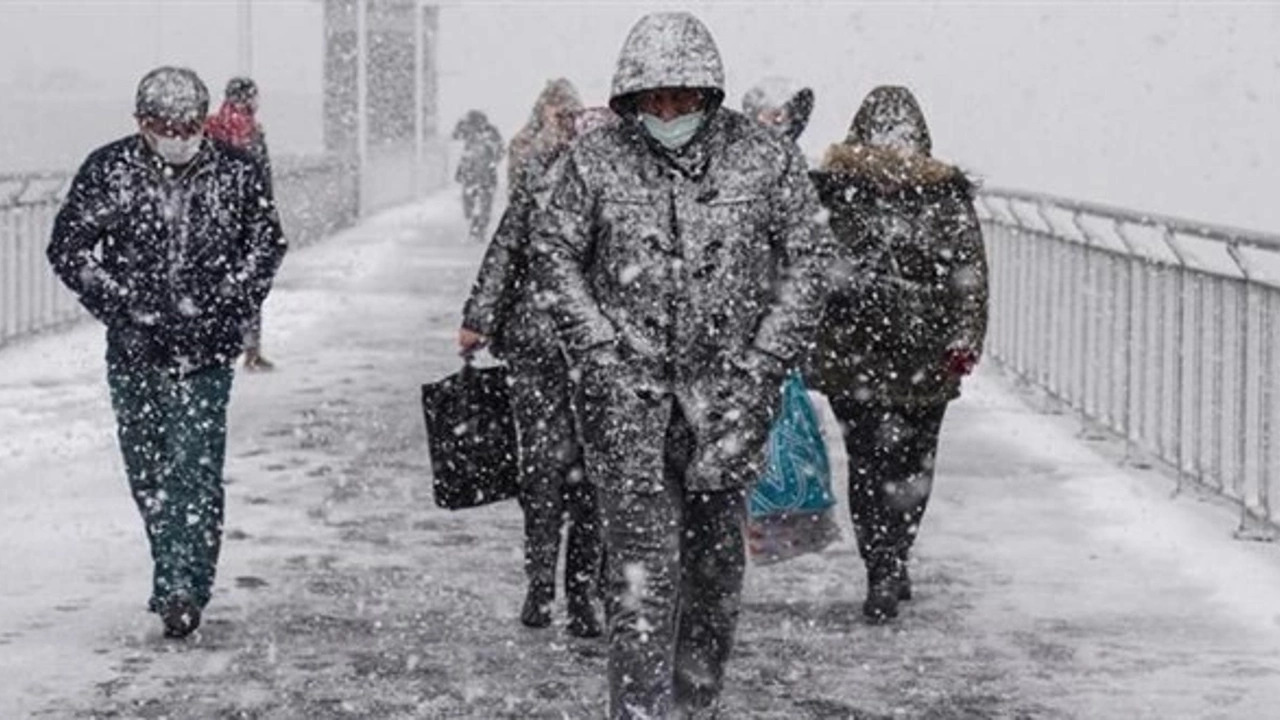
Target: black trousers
x=891, y=460
x=552, y=484
x=675, y=571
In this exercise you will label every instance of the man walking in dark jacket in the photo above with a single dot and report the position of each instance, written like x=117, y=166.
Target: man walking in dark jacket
x=172, y=242
x=682, y=256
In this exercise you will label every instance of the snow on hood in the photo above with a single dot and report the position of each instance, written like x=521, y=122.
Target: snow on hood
x=667, y=49
x=891, y=115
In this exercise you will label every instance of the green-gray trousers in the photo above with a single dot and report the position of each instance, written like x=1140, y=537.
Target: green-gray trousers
x=173, y=433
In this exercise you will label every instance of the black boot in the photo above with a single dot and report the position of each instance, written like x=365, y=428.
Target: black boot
x=904, y=583
x=883, y=587
x=181, y=617
x=537, y=605
x=583, y=621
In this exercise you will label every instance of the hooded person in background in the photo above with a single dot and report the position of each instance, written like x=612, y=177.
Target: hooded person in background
x=236, y=124
x=549, y=129
x=506, y=311
x=905, y=322
x=780, y=104
x=478, y=169
x=172, y=242
x=683, y=258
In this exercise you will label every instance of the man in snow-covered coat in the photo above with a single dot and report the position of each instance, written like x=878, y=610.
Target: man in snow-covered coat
x=683, y=251
x=171, y=241
x=905, y=322
x=236, y=123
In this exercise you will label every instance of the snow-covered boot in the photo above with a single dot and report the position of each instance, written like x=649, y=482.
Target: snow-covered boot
x=537, y=605
x=181, y=617
x=583, y=621
x=883, y=587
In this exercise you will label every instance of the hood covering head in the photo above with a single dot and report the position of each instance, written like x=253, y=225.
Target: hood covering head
x=667, y=50
x=538, y=135
x=890, y=117
x=888, y=152
x=781, y=94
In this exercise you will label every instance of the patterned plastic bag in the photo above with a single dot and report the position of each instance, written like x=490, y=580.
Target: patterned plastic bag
x=791, y=506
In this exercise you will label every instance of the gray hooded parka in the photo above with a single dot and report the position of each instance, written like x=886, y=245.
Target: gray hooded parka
x=692, y=277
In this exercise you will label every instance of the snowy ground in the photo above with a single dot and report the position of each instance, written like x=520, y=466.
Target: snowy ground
x=1052, y=581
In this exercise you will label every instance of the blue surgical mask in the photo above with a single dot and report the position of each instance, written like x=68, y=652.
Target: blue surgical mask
x=675, y=133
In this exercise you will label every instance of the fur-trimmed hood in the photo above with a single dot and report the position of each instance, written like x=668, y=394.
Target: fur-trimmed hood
x=877, y=172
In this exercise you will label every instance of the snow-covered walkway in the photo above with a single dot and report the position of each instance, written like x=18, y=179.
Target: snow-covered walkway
x=1052, y=582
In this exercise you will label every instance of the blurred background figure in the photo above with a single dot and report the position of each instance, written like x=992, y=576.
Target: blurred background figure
x=478, y=169
x=550, y=127
x=236, y=123
x=904, y=323
x=781, y=104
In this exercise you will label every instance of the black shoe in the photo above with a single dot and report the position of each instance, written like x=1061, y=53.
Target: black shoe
x=904, y=583
x=881, y=604
x=181, y=618
x=537, y=606
x=583, y=621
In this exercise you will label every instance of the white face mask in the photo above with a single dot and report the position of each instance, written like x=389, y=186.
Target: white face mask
x=175, y=151
x=675, y=133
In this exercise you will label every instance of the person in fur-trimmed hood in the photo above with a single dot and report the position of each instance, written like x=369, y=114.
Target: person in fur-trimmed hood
x=904, y=323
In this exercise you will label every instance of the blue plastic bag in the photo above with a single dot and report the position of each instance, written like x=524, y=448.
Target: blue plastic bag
x=798, y=477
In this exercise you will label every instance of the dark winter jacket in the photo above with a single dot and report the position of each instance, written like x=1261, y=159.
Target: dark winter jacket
x=910, y=280
x=481, y=150
x=172, y=260
x=700, y=272
x=505, y=305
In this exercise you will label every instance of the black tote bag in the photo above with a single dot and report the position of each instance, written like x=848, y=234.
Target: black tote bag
x=471, y=436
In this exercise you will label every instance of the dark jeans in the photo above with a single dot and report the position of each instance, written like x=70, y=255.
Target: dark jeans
x=551, y=478
x=891, y=458
x=675, y=572
x=172, y=433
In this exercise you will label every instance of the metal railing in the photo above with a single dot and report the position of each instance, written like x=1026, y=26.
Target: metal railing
x=1159, y=329
x=316, y=195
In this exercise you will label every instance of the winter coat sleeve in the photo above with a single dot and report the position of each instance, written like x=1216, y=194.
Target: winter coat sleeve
x=968, y=284
x=81, y=224
x=801, y=240
x=560, y=253
x=264, y=240
x=486, y=307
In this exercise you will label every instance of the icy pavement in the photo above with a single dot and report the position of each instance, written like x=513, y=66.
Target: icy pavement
x=1052, y=581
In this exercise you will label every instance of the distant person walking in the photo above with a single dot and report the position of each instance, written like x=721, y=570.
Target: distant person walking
x=237, y=125
x=172, y=242
x=478, y=169
x=905, y=322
